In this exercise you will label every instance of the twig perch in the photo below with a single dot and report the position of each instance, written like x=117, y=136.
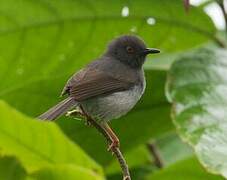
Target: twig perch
x=155, y=154
x=116, y=151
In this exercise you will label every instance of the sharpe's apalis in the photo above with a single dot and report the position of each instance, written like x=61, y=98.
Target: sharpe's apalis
x=108, y=87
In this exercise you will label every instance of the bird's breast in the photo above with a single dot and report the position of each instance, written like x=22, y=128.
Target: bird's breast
x=112, y=106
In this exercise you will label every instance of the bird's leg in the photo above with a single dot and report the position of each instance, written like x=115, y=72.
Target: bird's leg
x=115, y=149
x=88, y=118
x=115, y=143
x=97, y=126
x=112, y=139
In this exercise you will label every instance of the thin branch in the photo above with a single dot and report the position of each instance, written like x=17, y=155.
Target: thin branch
x=116, y=151
x=155, y=154
x=186, y=5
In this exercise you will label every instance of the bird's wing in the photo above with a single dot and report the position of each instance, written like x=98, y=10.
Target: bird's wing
x=76, y=78
x=93, y=82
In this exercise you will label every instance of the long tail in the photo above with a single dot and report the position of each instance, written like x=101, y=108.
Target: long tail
x=58, y=110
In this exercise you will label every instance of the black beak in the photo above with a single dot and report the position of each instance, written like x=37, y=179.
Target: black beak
x=151, y=51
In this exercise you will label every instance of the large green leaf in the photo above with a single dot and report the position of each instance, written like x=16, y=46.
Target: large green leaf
x=44, y=42
x=172, y=149
x=37, y=144
x=68, y=172
x=187, y=169
x=197, y=88
x=11, y=169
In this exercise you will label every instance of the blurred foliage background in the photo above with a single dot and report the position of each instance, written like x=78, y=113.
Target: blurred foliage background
x=44, y=42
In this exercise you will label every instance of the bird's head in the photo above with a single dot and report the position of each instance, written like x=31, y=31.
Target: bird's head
x=130, y=50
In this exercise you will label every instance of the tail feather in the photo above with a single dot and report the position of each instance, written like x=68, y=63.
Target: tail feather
x=59, y=109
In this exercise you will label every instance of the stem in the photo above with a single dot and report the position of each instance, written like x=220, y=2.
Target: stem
x=116, y=151
x=186, y=5
x=155, y=154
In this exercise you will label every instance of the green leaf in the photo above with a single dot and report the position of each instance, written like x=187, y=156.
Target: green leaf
x=187, y=169
x=69, y=172
x=36, y=144
x=11, y=169
x=172, y=149
x=44, y=42
x=197, y=88
x=56, y=38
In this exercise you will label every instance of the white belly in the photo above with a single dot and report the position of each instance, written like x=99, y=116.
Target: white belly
x=113, y=106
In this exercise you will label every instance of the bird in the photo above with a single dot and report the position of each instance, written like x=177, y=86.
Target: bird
x=109, y=87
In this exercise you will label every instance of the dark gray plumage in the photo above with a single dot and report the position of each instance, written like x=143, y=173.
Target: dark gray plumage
x=110, y=86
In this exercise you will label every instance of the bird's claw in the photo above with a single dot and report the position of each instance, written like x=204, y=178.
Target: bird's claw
x=78, y=112
x=73, y=112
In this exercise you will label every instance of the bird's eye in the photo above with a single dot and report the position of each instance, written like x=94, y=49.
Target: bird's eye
x=129, y=49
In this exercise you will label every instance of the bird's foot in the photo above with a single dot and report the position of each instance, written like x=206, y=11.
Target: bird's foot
x=75, y=112
x=79, y=112
x=114, y=144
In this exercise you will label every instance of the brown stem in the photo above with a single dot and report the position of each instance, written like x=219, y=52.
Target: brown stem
x=116, y=151
x=186, y=5
x=155, y=154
